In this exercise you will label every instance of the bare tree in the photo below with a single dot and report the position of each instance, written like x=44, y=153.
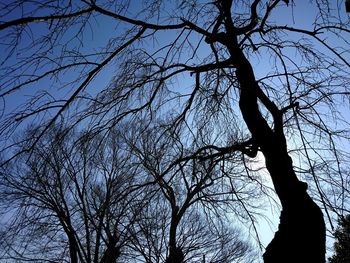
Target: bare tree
x=234, y=76
x=68, y=201
x=84, y=198
x=194, y=200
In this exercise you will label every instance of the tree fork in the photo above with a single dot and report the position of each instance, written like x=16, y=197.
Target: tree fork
x=301, y=233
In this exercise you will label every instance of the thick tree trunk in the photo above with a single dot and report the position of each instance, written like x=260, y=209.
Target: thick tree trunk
x=112, y=252
x=301, y=233
x=175, y=253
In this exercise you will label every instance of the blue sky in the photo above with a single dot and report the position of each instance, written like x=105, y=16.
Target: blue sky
x=99, y=32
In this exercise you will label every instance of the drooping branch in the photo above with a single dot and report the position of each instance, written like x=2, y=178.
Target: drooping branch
x=82, y=86
x=28, y=20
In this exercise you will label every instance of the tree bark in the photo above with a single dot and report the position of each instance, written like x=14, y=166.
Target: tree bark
x=301, y=233
x=111, y=254
x=73, y=248
x=175, y=253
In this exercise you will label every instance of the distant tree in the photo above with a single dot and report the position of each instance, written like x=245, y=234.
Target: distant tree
x=190, y=221
x=68, y=201
x=237, y=78
x=84, y=198
x=342, y=241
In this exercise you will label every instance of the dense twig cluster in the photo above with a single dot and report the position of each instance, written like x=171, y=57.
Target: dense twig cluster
x=198, y=88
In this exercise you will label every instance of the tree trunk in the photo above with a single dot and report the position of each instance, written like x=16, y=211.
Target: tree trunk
x=73, y=248
x=301, y=233
x=111, y=254
x=175, y=253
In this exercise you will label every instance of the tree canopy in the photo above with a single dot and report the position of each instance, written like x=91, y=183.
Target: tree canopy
x=174, y=102
x=342, y=241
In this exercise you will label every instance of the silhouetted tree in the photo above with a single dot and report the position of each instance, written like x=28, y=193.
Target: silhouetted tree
x=342, y=241
x=68, y=200
x=186, y=228
x=235, y=77
x=83, y=198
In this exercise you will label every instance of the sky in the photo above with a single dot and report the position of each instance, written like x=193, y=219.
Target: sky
x=298, y=15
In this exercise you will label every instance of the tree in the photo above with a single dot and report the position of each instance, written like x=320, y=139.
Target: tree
x=342, y=243
x=233, y=76
x=64, y=202
x=192, y=196
x=77, y=198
